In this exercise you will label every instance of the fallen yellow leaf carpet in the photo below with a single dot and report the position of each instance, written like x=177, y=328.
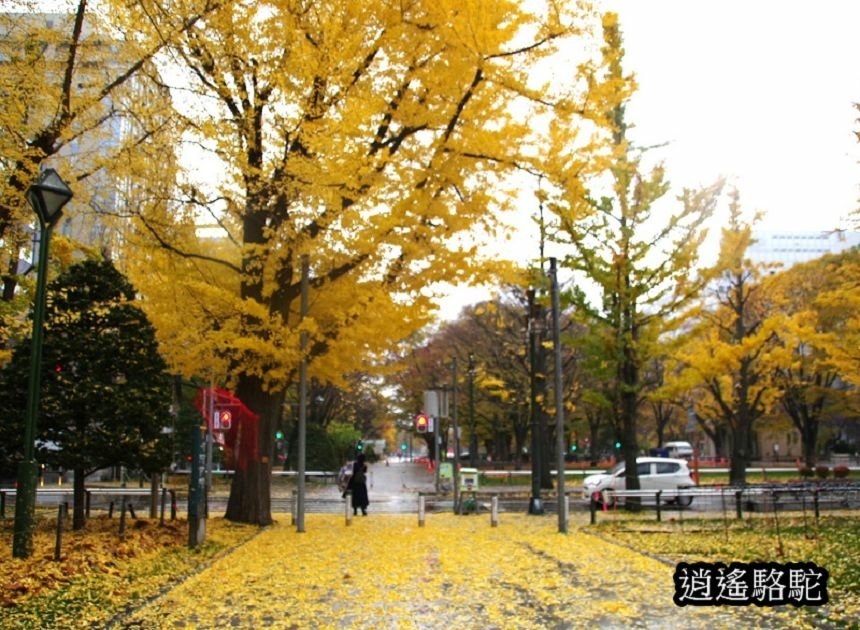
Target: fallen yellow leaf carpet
x=456, y=572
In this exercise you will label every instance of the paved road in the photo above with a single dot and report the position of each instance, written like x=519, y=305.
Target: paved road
x=392, y=488
x=399, y=478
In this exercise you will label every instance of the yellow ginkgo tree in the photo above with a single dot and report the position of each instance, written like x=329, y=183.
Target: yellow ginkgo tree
x=728, y=365
x=820, y=328
x=78, y=96
x=641, y=259
x=371, y=139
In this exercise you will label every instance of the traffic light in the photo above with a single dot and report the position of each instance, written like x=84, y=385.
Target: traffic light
x=422, y=423
x=226, y=420
x=359, y=446
x=279, y=435
x=618, y=445
x=573, y=448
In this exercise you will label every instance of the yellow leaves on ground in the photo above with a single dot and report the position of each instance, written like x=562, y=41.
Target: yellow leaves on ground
x=385, y=571
x=457, y=572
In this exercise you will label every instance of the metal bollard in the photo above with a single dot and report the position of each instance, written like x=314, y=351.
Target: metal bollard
x=815, y=503
x=61, y=512
x=421, y=511
x=659, y=516
x=346, y=511
x=566, y=507
x=593, y=506
x=122, y=519
x=293, y=508
x=494, y=512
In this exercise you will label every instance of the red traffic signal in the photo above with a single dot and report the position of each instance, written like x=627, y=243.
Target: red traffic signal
x=422, y=423
x=226, y=420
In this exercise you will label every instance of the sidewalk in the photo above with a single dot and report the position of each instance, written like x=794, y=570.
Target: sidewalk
x=456, y=572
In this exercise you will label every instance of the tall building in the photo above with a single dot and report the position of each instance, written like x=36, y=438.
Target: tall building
x=33, y=55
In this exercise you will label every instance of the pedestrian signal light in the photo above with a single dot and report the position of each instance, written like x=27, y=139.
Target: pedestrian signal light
x=226, y=420
x=422, y=423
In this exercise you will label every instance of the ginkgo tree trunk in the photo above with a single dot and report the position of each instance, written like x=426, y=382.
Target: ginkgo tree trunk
x=373, y=138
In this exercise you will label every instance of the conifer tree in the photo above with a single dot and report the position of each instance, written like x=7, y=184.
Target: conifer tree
x=105, y=391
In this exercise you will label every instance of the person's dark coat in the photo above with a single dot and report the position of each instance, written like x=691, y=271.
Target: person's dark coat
x=358, y=485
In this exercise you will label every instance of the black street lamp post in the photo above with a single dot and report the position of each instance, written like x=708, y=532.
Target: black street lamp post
x=47, y=196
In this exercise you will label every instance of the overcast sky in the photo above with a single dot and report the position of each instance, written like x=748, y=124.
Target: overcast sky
x=760, y=91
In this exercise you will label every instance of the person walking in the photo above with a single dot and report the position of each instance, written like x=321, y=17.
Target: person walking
x=358, y=486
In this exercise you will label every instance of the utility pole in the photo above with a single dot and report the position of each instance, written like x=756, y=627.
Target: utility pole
x=559, y=398
x=535, y=327
x=303, y=399
x=456, y=439
x=473, y=437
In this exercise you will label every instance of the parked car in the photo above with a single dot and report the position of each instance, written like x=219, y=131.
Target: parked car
x=655, y=473
x=679, y=449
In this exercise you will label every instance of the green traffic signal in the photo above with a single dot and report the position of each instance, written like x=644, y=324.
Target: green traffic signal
x=618, y=445
x=279, y=435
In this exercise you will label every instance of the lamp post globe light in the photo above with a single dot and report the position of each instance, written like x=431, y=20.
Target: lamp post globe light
x=47, y=196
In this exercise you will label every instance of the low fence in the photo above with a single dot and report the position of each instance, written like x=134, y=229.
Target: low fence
x=326, y=476
x=740, y=500
x=98, y=498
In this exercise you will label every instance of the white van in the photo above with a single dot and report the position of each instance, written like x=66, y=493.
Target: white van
x=679, y=449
